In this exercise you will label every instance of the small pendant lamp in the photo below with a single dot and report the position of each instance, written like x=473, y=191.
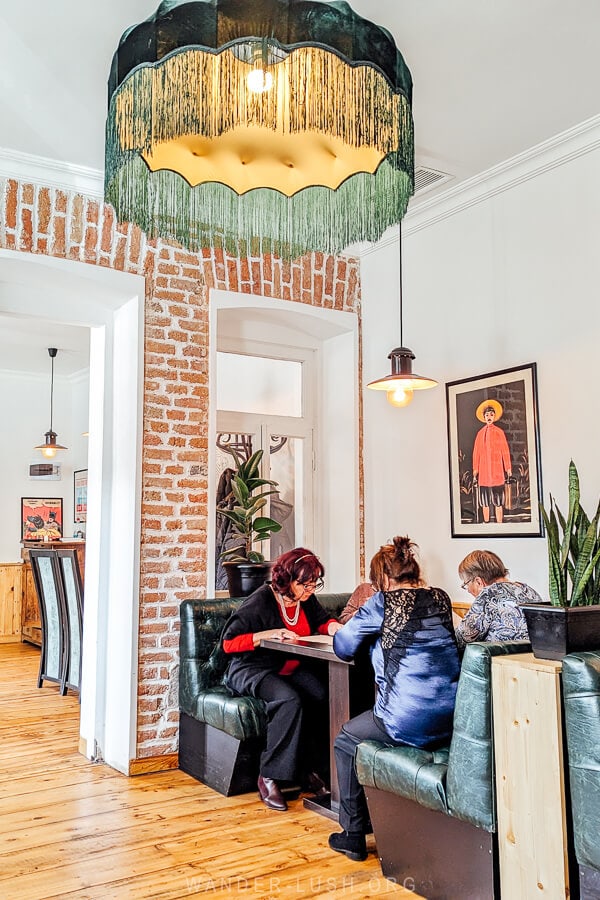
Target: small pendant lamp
x=402, y=381
x=50, y=445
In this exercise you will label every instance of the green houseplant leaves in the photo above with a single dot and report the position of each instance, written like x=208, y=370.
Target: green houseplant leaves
x=573, y=550
x=245, y=510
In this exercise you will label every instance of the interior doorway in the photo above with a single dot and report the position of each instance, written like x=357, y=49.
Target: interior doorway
x=110, y=304
x=324, y=423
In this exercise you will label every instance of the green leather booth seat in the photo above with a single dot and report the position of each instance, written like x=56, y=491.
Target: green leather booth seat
x=202, y=666
x=208, y=706
x=458, y=779
x=581, y=691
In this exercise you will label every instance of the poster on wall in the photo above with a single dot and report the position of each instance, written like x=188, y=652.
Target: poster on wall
x=80, y=499
x=494, y=454
x=41, y=518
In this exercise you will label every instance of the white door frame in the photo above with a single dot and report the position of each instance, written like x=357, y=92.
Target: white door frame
x=333, y=336
x=111, y=304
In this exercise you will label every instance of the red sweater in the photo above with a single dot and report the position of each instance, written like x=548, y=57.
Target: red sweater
x=245, y=642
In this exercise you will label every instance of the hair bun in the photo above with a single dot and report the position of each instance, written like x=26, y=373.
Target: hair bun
x=403, y=547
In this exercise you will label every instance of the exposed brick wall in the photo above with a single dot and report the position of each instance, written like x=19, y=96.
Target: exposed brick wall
x=175, y=494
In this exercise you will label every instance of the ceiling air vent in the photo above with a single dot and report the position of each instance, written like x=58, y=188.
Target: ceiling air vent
x=426, y=179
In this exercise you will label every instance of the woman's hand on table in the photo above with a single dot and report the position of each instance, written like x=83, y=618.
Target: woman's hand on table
x=274, y=634
x=333, y=627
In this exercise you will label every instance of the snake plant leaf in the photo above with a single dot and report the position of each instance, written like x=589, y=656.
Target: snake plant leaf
x=587, y=550
x=577, y=593
x=554, y=569
x=561, y=518
x=573, y=511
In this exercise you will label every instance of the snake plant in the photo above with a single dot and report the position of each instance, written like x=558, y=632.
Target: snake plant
x=244, y=508
x=573, y=550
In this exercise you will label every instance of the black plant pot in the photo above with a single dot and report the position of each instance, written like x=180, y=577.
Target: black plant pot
x=555, y=631
x=244, y=578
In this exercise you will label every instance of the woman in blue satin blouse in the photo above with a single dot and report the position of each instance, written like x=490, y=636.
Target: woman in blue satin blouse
x=416, y=664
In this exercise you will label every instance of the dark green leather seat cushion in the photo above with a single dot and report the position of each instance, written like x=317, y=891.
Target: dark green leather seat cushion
x=581, y=688
x=458, y=780
x=418, y=775
x=202, y=666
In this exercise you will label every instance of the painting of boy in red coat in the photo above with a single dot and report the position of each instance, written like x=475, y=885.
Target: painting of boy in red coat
x=491, y=460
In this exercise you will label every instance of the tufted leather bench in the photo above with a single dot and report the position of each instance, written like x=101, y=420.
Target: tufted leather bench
x=434, y=812
x=581, y=691
x=221, y=734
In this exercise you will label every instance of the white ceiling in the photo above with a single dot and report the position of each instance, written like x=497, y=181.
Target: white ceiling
x=491, y=79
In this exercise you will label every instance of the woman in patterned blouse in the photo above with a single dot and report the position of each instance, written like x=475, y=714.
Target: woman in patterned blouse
x=495, y=614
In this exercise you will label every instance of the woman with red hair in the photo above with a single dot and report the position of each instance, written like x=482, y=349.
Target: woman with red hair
x=285, y=610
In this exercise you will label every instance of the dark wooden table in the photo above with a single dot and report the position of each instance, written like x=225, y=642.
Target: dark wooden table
x=346, y=698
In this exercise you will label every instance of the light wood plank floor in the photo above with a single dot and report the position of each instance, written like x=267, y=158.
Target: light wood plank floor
x=73, y=829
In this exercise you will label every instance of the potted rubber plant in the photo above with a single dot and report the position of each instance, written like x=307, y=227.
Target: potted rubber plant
x=571, y=621
x=243, y=509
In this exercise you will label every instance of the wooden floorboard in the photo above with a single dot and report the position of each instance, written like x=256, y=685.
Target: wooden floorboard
x=77, y=830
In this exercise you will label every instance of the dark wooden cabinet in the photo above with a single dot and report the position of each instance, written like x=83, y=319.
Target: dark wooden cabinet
x=31, y=626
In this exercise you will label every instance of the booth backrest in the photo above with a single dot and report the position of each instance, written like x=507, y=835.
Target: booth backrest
x=471, y=783
x=581, y=689
x=202, y=661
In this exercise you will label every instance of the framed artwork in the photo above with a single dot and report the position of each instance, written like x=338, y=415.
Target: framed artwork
x=494, y=454
x=80, y=496
x=41, y=518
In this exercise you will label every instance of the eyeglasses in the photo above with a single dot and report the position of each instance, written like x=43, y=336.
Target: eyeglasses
x=312, y=586
x=465, y=583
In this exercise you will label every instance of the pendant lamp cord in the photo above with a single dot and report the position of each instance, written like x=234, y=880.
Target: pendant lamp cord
x=51, y=389
x=400, y=279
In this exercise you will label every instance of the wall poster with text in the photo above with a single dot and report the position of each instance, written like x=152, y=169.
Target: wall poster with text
x=41, y=518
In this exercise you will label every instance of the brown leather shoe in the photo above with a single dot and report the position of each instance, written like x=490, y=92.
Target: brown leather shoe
x=269, y=793
x=314, y=784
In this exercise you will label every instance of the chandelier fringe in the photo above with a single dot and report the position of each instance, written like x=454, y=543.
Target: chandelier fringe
x=183, y=95
x=212, y=214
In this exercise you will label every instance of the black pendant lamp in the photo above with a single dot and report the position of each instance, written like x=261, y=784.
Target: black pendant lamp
x=50, y=445
x=402, y=381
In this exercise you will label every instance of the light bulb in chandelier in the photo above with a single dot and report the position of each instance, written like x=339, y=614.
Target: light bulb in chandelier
x=259, y=80
x=51, y=445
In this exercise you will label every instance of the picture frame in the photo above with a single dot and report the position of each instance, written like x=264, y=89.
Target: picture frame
x=80, y=480
x=494, y=469
x=41, y=518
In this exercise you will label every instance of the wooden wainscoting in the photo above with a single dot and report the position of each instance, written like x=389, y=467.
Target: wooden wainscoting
x=80, y=830
x=11, y=591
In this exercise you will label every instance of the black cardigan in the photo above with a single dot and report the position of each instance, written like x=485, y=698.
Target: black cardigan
x=260, y=612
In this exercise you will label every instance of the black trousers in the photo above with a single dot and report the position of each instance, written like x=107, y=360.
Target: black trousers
x=297, y=724
x=354, y=813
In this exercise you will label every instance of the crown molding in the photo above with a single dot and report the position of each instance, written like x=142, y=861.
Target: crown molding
x=558, y=150
x=564, y=147
x=51, y=173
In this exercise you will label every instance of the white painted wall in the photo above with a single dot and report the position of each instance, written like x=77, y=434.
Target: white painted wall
x=489, y=282
x=25, y=416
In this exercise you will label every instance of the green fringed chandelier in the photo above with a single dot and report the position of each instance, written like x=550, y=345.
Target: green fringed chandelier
x=277, y=126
